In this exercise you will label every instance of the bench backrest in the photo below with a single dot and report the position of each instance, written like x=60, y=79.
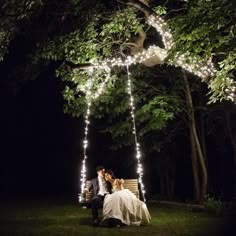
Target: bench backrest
x=131, y=184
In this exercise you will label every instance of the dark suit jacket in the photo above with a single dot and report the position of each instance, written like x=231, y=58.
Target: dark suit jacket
x=95, y=186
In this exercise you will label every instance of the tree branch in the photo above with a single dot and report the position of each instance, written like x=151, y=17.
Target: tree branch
x=73, y=66
x=139, y=5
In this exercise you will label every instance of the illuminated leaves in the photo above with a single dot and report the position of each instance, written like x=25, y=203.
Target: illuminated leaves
x=122, y=24
x=207, y=30
x=157, y=112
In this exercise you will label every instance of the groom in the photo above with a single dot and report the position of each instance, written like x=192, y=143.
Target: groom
x=100, y=188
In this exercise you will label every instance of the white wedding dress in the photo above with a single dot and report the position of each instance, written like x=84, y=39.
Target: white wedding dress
x=126, y=207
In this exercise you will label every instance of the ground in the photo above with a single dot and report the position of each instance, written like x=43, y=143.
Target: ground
x=65, y=217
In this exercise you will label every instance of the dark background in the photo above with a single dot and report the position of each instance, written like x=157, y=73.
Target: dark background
x=41, y=148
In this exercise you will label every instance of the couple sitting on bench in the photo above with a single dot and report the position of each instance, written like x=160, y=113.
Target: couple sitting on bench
x=120, y=205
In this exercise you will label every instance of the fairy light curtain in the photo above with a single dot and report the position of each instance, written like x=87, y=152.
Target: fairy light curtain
x=137, y=145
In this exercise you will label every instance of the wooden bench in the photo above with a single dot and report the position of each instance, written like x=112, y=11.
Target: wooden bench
x=131, y=184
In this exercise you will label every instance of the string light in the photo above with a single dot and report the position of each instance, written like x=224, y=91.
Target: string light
x=89, y=98
x=151, y=52
x=204, y=70
x=85, y=145
x=88, y=85
x=161, y=26
x=227, y=86
x=137, y=145
x=231, y=91
x=101, y=87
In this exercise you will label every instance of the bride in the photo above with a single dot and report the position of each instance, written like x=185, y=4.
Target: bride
x=122, y=206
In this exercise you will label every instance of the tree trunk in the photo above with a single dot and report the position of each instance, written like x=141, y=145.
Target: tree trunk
x=171, y=182
x=162, y=183
x=202, y=164
x=196, y=180
x=204, y=148
x=172, y=188
x=167, y=185
x=232, y=136
x=203, y=139
x=195, y=137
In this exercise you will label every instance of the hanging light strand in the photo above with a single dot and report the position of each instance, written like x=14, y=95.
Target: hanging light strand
x=102, y=86
x=137, y=145
x=88, y=86
x=89, y=97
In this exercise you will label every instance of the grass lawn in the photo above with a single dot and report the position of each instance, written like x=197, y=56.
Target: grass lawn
x=67, y=218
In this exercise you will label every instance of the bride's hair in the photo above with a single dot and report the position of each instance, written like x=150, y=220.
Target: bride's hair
x=110, y=172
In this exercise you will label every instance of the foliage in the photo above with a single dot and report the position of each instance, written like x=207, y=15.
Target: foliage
x=195, y=32
x=220, y=84
x=14, y=14
x=103, y=35
x=156, y=113
x=160, y=10
x=213, y=205
x=106, y=31
x=79, y=33
x=155, y=106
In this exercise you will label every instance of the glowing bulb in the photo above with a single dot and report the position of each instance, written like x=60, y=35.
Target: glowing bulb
x=138, y=154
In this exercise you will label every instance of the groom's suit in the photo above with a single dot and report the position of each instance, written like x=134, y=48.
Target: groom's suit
x=94, y=185
x=97, y=200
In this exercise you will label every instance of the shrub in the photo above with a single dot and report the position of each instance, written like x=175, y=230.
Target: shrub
x=213, y=205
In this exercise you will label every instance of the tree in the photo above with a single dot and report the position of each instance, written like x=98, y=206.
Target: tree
x=120, y=29
x=13, y=15
x=116, y=37
x=101, y=25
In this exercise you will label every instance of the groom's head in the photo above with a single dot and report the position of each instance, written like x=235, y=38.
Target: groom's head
x=100, y=171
